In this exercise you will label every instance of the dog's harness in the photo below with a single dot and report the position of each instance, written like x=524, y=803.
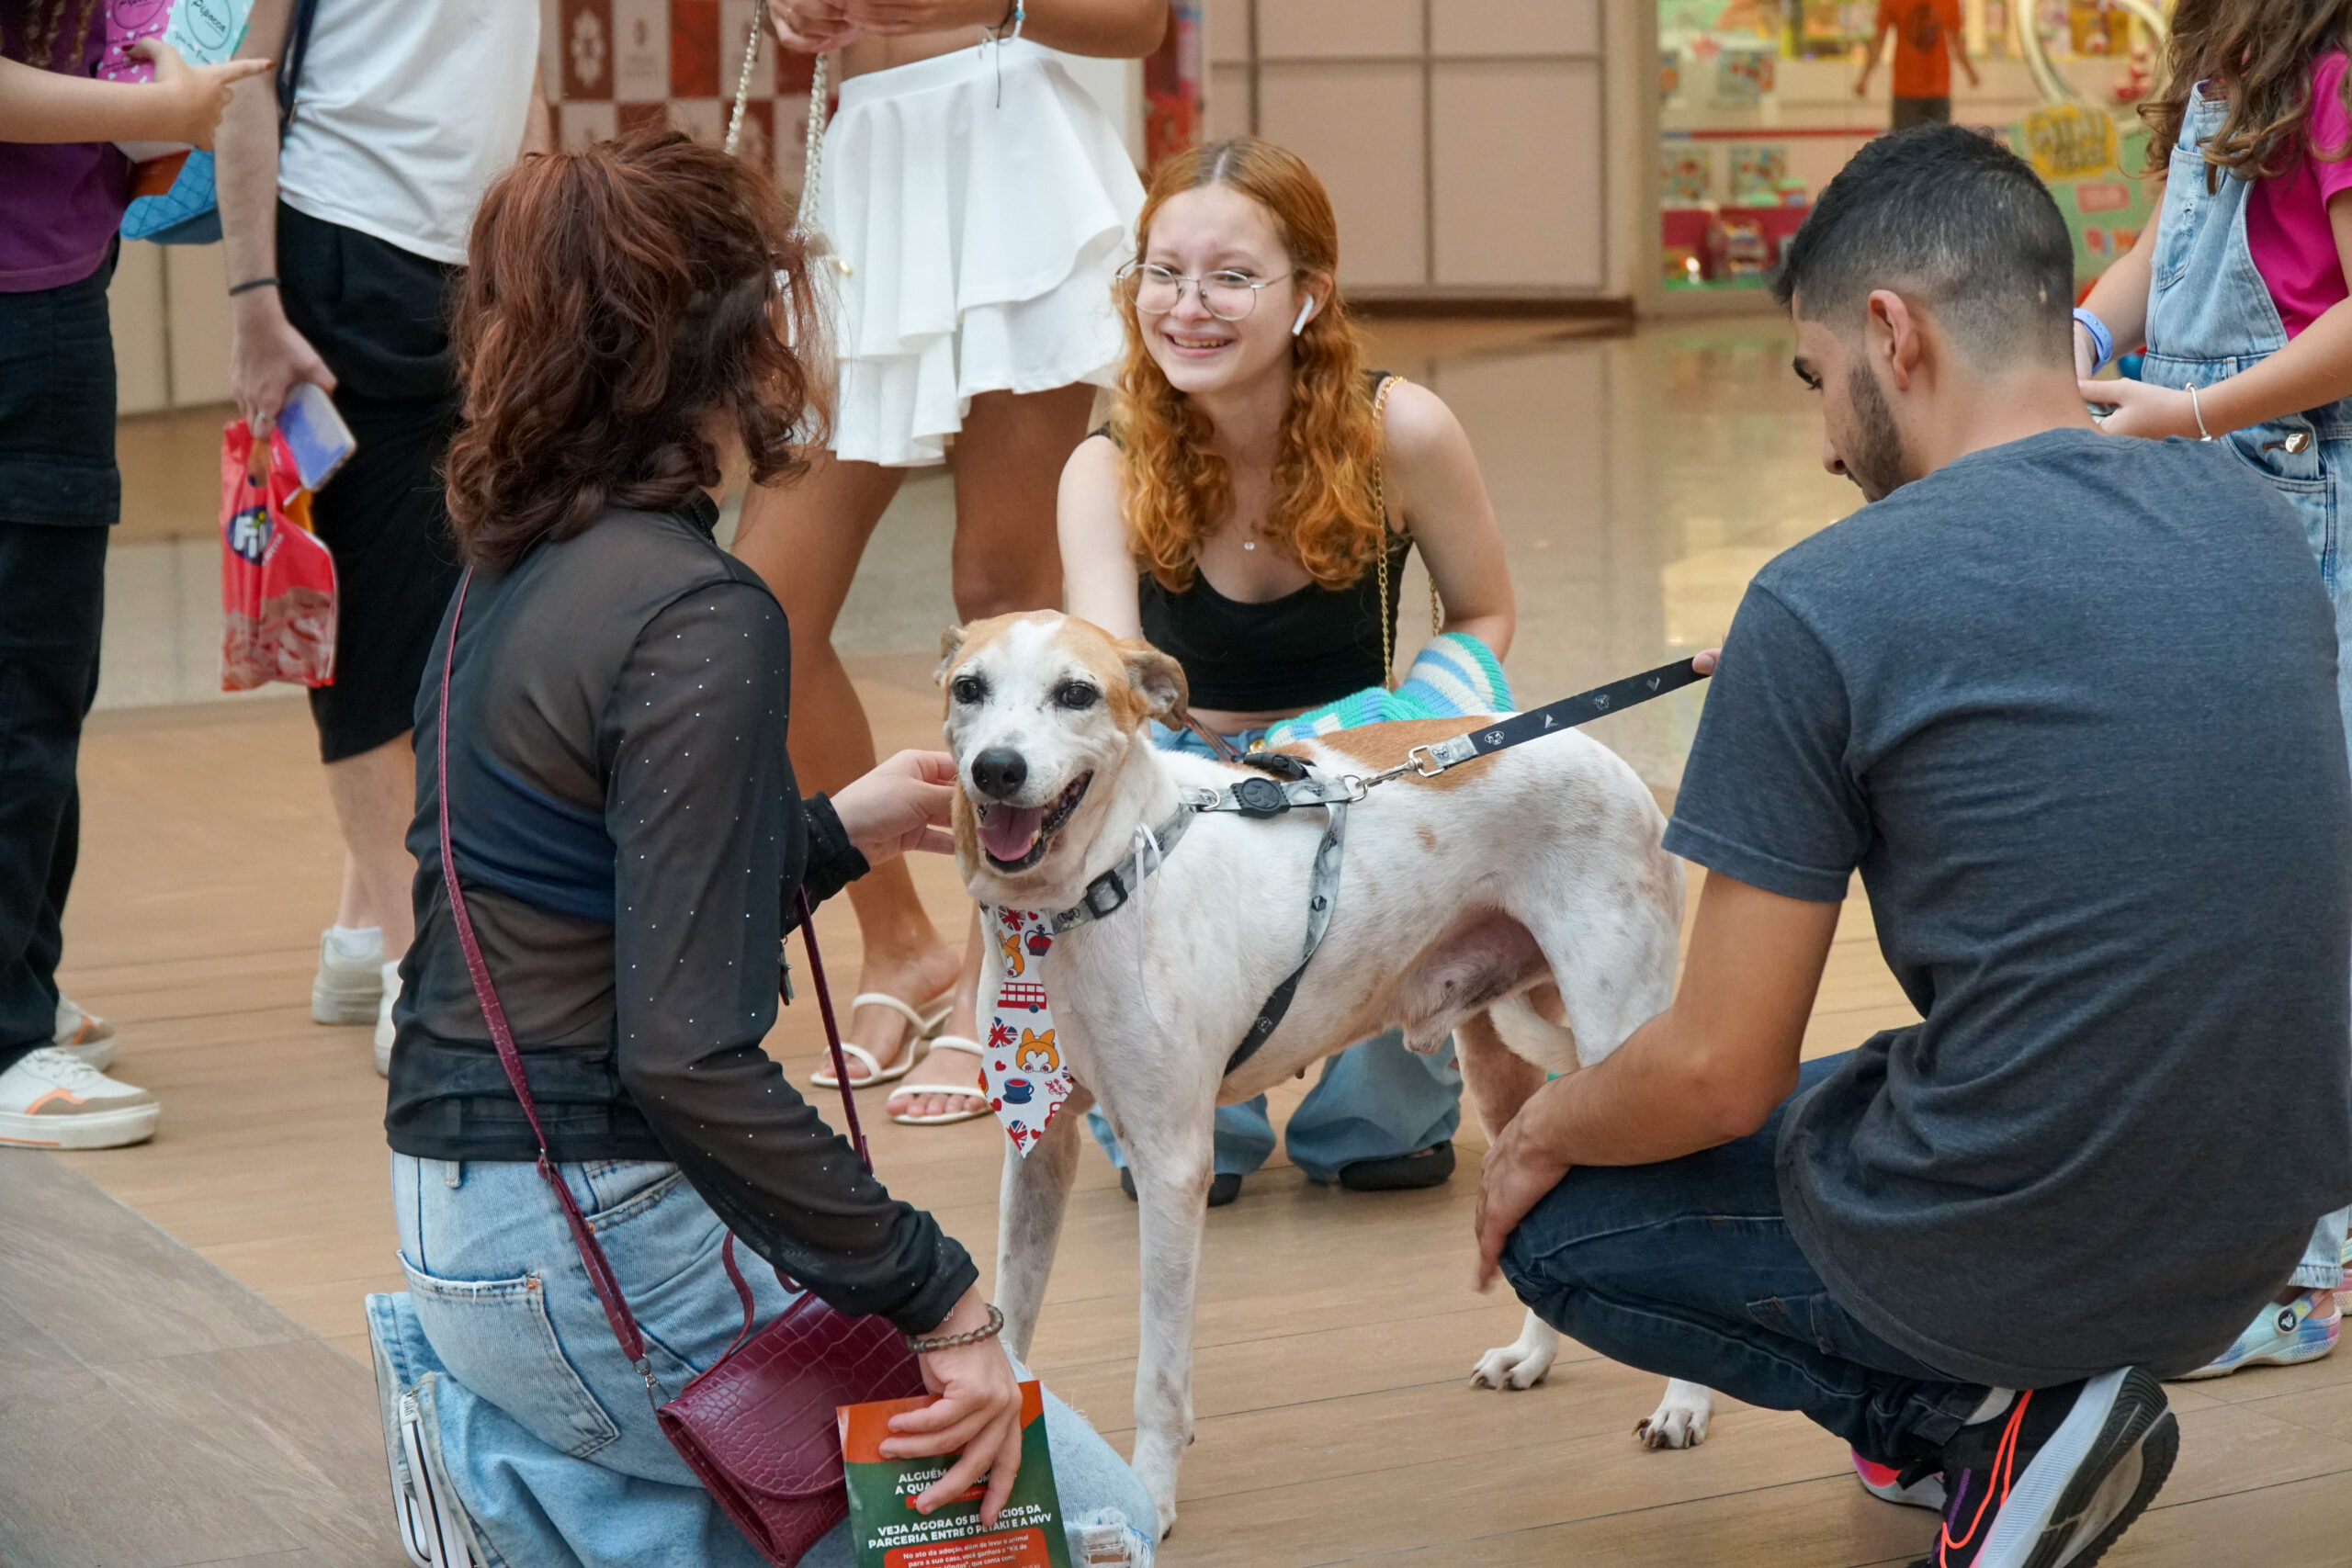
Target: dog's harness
x=1293, y=785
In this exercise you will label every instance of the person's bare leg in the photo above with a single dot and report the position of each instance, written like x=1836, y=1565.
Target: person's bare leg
x=375, y=797
x=1008, y=460
x=805, y=538
x=354, y=910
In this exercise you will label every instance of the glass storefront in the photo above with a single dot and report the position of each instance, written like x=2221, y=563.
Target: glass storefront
x=1758, y=112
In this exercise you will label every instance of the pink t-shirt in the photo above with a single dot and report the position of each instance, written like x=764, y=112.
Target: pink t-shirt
x=2286, y=218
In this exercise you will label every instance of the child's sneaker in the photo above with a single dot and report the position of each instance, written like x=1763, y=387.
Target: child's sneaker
x=2054, y=1479
x=84, y=1036
x=1915, y=1487
x=50, y=1099
x=2302, y=1330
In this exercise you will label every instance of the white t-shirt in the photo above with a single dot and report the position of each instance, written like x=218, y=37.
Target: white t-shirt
x=406, y=110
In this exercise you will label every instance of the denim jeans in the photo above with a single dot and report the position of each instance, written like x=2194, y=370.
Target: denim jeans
x=1687, y=1268
x=1374, y=1100
x=539, y=1422
x=2211, y=317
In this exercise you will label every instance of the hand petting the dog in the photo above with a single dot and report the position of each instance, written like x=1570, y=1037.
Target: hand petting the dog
x=902, y=805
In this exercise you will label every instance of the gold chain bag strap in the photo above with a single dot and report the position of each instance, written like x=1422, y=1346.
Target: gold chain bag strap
x=1380, y=506
x=820, y=100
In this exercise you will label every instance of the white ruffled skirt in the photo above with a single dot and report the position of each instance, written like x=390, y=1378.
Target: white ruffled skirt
x=981, y=200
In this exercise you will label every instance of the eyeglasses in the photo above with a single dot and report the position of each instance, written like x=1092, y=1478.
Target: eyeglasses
x=1155, y=290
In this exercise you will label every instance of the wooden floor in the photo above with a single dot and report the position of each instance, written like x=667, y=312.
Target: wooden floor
x=1335, y=1329
x=153, y=1410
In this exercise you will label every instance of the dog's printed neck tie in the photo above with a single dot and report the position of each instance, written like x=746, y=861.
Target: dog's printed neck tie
x=1023, y=1066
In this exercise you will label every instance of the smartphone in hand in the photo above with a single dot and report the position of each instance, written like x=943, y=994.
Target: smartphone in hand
x=316, y=434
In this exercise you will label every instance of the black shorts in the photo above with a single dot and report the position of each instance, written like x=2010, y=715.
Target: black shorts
x=377, y=315
x=1910, y=112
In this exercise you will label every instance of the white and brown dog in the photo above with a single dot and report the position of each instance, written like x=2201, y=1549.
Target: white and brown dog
x=1521, y=903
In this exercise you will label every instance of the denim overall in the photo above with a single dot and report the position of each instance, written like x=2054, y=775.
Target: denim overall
x=2210, y=317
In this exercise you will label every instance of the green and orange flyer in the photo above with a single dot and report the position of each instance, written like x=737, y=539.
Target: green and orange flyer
x=882, y=1492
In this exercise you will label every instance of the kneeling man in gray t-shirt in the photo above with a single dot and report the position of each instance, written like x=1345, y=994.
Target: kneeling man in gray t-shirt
x=2067, y=702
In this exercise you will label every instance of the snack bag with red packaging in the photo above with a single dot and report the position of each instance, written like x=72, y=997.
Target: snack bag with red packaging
x=276, y=580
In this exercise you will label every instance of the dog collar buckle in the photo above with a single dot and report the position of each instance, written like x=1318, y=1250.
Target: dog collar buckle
x=1105, y=894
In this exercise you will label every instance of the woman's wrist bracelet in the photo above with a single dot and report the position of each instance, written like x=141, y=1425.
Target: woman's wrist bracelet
x=2197, y=408
x=925, y=1345
x=249, y=284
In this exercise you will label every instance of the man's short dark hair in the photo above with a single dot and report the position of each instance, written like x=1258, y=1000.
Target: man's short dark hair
x=1948, y=217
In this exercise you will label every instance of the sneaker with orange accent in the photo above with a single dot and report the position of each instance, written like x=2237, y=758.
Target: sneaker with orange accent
x=84, y=1036
x=1919, y=1485
x=52, y=1100
x=2053, y=1479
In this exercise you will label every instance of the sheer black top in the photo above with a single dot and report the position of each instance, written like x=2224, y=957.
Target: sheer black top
x=630, y=838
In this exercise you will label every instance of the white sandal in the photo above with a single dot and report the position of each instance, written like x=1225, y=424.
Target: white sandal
x=911, y=1045
x=955, y=1043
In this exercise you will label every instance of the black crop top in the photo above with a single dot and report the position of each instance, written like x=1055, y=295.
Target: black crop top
x=1310, y=647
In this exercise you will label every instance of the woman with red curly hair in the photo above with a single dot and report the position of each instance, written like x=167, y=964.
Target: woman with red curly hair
x=1249, y=509
x=628, y=838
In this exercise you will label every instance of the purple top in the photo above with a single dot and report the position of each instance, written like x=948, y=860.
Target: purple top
x=65, y=199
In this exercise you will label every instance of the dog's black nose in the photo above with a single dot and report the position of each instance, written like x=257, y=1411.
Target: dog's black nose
x=999, y=771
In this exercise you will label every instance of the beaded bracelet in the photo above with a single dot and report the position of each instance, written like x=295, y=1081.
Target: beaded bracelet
x=994, y=1326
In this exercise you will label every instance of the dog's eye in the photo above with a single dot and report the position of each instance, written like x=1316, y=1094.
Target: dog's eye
x=1076, y=695
x=968, y=689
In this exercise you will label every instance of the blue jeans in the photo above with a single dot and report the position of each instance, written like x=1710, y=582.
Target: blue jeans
x=536, y=1417
x=2211, y=317
x=1374, y=1100
x=1687, y=1268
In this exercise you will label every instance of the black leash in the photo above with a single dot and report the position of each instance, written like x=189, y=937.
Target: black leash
x=1566, y=714
x=1264, y=798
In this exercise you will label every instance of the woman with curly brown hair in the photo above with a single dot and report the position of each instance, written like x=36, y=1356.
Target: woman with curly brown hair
x=628, y=838
x=2239, y=291
x=1249, y=509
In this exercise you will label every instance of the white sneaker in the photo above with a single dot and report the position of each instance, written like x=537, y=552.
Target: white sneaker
x=390, y=982
x=84, y=1036
x=348, y=987
x=51, y=1101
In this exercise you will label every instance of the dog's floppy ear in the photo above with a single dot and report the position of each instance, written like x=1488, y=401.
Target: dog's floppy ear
x=1158, y=680
x=951, y=643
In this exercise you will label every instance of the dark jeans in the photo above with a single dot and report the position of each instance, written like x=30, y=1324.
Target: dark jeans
x=53, y=595
x=1687, y=1268
x=59, y=490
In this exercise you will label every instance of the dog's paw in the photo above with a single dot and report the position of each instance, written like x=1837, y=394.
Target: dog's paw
x=1515, y=1365
x=1523, y=1361
x=1674, y=1424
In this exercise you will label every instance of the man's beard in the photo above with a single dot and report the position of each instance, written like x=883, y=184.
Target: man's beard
x=1874, y=460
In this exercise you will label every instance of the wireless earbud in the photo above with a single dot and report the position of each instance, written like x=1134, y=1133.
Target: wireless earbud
x=1304, y=311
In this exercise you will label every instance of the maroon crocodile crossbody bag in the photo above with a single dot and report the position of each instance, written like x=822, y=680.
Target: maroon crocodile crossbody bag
x=759, y=1426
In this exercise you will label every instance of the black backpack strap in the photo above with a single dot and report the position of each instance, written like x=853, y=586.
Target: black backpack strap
x=289, y=61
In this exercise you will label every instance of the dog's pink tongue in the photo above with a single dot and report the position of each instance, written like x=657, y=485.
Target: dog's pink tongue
x=1007, y=830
